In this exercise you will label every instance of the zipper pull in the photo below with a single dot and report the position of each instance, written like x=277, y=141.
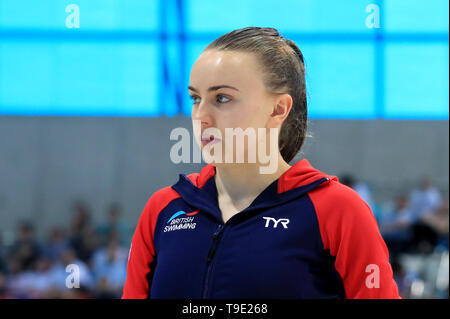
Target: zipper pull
x=216, y=233
x=212, y=250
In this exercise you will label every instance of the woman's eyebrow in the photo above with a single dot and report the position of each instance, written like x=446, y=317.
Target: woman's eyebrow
x=214, y=88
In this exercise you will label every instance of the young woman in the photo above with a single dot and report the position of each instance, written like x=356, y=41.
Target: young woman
x=231, y=231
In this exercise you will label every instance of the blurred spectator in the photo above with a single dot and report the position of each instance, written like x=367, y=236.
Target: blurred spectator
x=424, y=203
x=16, y=279
x=35, y=271
x=83, y=238
x=3, y=288
x=360, y=187
x=114, y=226
x=103, y=290
x=425, y=199
x=400, y=277
x=396, y=226
x=80, y=218
x=438, y=220
x=25, y=249
x=69, y=257
x=56, y=243
x=109, y=266
x=38, y=281
x=2, y=257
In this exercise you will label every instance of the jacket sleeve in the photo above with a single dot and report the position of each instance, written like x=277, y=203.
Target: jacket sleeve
x=350, y=231
x=142, y=250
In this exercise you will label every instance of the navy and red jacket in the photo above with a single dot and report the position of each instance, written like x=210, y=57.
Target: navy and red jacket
x=305, y=236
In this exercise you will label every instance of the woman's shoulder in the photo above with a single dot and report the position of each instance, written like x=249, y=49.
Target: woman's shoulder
x=162, y=195
x=343, y=215
x=337, y=198
x=166, y=194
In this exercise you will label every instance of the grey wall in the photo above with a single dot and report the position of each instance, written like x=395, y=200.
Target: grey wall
x=47, y=162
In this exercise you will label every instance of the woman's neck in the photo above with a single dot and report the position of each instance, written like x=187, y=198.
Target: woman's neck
x=240, y=184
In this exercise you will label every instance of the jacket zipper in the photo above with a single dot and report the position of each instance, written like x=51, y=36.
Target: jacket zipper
x=216, y=237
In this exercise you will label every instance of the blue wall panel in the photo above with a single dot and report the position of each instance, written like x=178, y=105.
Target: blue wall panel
x=133, y=57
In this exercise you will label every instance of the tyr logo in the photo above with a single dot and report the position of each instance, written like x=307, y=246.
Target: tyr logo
x=283, y=221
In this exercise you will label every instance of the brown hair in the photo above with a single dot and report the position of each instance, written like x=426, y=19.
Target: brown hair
x=284, y=72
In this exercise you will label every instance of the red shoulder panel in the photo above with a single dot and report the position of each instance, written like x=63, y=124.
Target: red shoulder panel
x=142, y=250
x=349, y=230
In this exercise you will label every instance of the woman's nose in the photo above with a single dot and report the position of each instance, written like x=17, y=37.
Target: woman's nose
x=202, y=112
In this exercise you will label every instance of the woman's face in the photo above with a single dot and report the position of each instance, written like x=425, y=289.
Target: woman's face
x=244, y=103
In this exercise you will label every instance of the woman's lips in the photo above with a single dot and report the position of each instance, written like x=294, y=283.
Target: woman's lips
x=210, y=141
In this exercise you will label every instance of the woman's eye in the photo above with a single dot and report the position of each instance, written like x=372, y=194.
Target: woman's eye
x=193, y=98
x=222, y=96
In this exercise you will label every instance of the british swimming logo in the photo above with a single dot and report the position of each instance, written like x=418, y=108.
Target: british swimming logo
x=176, y=222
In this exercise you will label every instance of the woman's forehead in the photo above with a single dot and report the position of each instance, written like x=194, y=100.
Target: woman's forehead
x=218, y=58
x=224, y=67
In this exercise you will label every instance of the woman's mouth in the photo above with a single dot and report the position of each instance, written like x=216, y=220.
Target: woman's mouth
x=209, y=140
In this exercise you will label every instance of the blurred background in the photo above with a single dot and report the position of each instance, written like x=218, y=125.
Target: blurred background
x=91, y=89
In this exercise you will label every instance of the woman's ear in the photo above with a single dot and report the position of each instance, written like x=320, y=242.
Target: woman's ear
x=281, y=109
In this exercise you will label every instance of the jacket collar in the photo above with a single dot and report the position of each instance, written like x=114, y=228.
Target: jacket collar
x=199, y=189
